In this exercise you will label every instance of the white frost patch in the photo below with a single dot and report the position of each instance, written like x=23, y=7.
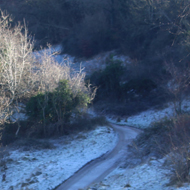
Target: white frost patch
x=146, y=118
x=56, y=50
x=149, y=176
x=98, y=62
x=18, y=113
x=47, y=168
x=95, y=63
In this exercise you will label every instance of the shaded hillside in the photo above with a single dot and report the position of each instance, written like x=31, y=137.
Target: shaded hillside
x=147, y=30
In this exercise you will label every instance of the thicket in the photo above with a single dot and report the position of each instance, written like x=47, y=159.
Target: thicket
x=108, y=80
x=170, y=138
x=56, y=106
x=125, y=90
x=51, y=91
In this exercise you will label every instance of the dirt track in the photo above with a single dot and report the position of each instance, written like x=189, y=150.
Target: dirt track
x=99, y=168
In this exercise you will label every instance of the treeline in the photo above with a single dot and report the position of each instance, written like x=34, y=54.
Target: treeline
x=145, y=29
x=151, y=32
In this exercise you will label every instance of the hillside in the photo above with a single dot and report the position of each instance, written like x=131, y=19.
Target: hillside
x=61, y=62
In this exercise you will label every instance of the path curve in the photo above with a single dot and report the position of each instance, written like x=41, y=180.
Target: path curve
x=99, y=168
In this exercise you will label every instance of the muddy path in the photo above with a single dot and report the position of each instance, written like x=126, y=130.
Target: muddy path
x=99, y=168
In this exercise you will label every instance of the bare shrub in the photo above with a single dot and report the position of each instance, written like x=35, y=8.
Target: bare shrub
x=180, y=152
x=48, y=74
x=169, y=138
x=47, y=71
x=180, y=166
x=178, y=85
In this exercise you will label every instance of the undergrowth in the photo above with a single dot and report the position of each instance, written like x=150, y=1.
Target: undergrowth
x=30, y=131
x=170, y=138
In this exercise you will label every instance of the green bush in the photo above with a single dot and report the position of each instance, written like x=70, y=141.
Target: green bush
x=111, y=84
x=58, y=105
x=108, y=80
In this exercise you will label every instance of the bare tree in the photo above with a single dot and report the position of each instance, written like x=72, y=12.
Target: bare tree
x=15, y=65
x=48, y=71
x=48, y=74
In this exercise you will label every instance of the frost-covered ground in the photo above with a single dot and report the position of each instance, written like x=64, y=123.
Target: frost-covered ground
x=149, y=176
x=46, y=168
x=146, y=118
x=155, y=173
